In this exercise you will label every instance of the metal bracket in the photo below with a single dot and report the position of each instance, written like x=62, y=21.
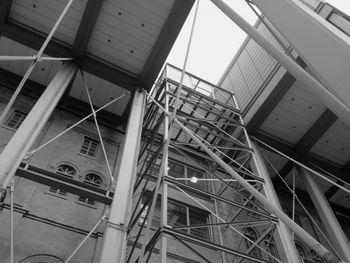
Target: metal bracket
x=120, y=226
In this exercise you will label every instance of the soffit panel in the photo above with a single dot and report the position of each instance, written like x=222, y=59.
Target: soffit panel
x=341, y=198
x=274, y=162
x=294, y=115
x=126, y=31
x=42, y=73
x=334, y=145
x=101, y=92
x=41, y=15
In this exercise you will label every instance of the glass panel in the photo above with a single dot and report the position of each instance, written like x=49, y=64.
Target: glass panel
x=93, y=179
x=176, y=170
x=198, y=218
x=176, y=215
x=66, y=170
x=16, y=119
x=89, y=147
x=197, y=174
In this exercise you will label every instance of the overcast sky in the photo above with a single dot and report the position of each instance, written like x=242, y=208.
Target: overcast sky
x=216, y=38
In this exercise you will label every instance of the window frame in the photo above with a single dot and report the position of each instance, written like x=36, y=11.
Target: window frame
x=271, y=247
x=85, y=200
x=188, y=215
x=255, y=252
x=201, y=185
x=18, y=122
x=65, y=168
x=57, y=191
x=87, y=150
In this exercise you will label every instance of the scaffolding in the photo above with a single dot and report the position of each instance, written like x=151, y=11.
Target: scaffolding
x=212, y=115
x=200, y=182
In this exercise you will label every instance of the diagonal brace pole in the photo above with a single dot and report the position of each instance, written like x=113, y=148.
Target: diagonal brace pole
x=304, y=236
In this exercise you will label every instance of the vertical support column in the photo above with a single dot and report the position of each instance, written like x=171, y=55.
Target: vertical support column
x=329, y=220
x=27, y=133
x=284, y=233
x=164, y=208
x=114, y=242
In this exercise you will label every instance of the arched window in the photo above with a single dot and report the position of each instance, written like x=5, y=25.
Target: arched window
x=315, y=257
x=271, y=247
x=93, y=179
x=251, y=234
x=66, y=170
x=301, y=250
x=41, y=258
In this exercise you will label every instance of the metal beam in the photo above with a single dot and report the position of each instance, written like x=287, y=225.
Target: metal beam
x=272, y=100
x=319, y=90
x=322, y=251
x=209, y=244
x=284, y=234
x=87, y=23
x=55, y=48
x=333, y=190
x=70, y=104
x=65, y=183
x=313, y=161
x=164, y=43
x=114, y=243
x=326, y=214
x=5, y=7
x=317, y=130
x=282, y=190
x=20, y=143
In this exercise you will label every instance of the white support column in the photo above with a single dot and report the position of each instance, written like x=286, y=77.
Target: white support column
x=284, y=233
x=114, y=242
x=23, y=139
x=329, y=220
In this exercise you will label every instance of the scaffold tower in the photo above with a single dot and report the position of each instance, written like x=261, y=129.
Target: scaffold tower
x=182, y=119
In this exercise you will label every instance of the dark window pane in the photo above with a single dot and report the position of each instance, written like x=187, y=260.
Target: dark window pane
x=200, y=184
x=89, y=147
x=93, y=179
x=16, y=119
x=198, y=218
x=176, y=170
x=176, y=215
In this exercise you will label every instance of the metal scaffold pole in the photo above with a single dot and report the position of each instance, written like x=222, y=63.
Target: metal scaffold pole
x=324, y=95
x=326, y=214
x=304, y=236
x=284, y=233
x=23, y=139
x=114, y=242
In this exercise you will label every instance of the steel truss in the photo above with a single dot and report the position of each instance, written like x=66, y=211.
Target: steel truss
x=212, y=115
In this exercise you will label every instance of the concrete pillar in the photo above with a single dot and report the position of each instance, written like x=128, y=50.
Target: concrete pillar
x=114, y=243
x=23, y=139
x=284, y=233
x=329, y=220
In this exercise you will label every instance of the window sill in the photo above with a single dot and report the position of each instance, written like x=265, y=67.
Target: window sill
x=86, y=204
x=64, y=197
x=8, y=128
x=87, y=156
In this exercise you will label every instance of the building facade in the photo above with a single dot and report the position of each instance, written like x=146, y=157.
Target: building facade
x=185, y=201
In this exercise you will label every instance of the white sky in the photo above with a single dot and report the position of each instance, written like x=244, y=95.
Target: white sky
x=216, y=38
